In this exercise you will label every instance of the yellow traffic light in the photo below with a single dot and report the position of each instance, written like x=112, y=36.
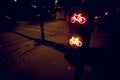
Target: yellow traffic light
x=74, y=40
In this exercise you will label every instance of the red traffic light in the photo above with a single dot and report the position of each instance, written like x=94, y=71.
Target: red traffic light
x=78, y=17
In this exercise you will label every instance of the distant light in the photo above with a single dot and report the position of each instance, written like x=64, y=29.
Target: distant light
x=34, y=6
x=48, y=10
x=106, y=13
x=97, y=17
x=15, y=0
x=7, y=17
x=56, y=1
x=78, y=17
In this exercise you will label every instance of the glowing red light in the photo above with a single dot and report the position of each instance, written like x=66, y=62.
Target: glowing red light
x=78, y=18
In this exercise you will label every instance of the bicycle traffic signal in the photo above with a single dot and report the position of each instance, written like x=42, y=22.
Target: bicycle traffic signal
x=79, y=28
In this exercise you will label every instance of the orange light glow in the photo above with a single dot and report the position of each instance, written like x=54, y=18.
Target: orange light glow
x=75, y=41
x=78, y=18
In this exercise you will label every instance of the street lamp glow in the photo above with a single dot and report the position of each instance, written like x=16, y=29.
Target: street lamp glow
x=56, y=1
x=15, y=0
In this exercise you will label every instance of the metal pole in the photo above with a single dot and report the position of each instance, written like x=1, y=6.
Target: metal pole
x=42, y=28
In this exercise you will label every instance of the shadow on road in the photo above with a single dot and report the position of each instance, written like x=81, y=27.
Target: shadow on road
x=23, y=35
x=59, y=47
x=89, y=63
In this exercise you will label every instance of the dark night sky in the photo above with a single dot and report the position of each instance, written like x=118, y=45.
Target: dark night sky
x=8, y=6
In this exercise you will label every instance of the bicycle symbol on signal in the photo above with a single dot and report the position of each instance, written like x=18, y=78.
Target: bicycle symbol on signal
x=78, y=18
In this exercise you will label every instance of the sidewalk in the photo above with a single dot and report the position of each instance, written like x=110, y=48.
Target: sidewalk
x=21, y=59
